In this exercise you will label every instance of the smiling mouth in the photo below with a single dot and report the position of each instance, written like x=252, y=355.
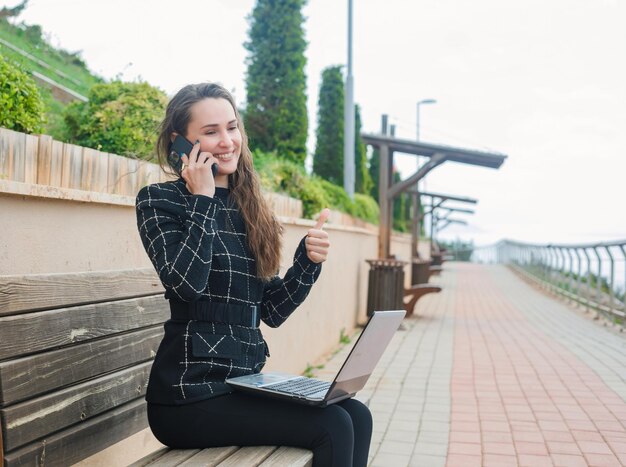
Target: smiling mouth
x=224, y=157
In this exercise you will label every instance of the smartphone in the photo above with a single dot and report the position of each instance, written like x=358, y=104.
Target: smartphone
x=180, y=146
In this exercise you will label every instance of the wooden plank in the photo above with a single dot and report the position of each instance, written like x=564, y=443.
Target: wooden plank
x=113, y=170
x=209, y=457
x=83, y=440
x=251, y=456
x=6, y=145
x=31, y=147
x=174, y=457
x=45, y=291
x=44, y=158
x=72, y=166
x=56, y=164
x=35, y=418
x=147, y=174
x=42, y=330
x=35, y=375
x=1, y=446
x=94, y=171
x=289, y=456
x=150, y=457
x=16, y=156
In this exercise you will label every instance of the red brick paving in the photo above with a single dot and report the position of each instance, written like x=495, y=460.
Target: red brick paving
x=519, y=398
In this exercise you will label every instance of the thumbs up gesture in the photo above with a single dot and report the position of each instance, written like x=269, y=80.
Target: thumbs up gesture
x=316, y=241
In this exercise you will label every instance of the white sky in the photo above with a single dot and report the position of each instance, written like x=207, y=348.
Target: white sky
x=543, y=81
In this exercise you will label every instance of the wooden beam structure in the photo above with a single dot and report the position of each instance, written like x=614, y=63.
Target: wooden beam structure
x=387, y=191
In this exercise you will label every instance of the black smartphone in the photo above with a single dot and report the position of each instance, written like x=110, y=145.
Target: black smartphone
x=180, y=146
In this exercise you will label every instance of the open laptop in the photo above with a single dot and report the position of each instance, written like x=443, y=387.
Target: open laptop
x=352, y=376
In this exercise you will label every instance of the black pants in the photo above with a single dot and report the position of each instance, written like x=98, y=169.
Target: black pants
x=339, y=435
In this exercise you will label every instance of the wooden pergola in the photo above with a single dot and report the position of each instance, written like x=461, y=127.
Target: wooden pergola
x=437, y=154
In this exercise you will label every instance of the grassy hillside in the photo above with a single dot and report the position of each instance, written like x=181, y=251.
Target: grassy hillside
x=65, y=68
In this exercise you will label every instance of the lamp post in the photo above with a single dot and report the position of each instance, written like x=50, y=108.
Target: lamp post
x=349, y=137
x=417, y=134
x=422, y=102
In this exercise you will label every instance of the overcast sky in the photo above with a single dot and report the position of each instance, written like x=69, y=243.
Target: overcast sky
x=542, y=81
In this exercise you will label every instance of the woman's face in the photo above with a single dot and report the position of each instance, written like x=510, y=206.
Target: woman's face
x=214, y=123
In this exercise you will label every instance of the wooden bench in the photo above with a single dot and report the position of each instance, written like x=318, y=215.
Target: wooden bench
x=263, y=456
x=75, y=355
x=414, y=293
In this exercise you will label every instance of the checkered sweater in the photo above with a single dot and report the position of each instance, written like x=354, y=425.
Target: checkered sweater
x=198, y=246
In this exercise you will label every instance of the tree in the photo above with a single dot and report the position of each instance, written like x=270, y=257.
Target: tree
x=7, y=12
x=276, y=114
x=328, y=157
x=375, y=173
x=363, y=179
x=21, y=105
x=119, y=117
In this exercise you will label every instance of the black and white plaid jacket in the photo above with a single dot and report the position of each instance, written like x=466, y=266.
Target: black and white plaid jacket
x=198, y=246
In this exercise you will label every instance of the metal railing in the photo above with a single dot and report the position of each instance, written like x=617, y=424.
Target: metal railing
x=593, y=275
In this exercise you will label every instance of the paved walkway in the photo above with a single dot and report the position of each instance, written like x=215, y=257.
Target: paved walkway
x=495, y=372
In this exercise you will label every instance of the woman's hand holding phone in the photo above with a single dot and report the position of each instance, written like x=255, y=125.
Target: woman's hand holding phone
x=197, y=171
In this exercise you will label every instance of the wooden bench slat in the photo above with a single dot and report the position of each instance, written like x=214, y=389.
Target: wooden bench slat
x=251, y=456
x=173, y=457
x=37, y=374
x=150, y=457
x=83, y=440
x=45, y=291
x=209, y=457
x=289, y=456
x=33, y=419
x=32, y=332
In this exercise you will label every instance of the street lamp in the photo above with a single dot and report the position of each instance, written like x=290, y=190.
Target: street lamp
x=422, y=102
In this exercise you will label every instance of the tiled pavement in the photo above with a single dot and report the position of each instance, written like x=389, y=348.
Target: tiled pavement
x=493, y=372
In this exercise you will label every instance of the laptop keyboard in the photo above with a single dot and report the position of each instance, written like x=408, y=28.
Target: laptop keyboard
x=300, y=386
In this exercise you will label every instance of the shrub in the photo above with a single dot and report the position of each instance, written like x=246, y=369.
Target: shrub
x=366, y=208
x=119, y=117
x=21, y=105
x=280, y=175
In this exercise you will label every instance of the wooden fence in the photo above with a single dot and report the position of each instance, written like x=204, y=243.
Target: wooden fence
x=40, y=160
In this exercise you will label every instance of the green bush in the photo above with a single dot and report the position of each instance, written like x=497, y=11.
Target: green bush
x=119, y=117
x=288, y=177
x=21, y=106
x=366, y=208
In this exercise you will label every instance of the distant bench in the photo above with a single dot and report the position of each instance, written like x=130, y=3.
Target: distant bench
x=75, y=356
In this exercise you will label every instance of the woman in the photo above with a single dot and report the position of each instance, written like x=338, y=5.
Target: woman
x=216, y=244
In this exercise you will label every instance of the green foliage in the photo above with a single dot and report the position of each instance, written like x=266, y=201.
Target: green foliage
x=74, y=73
x=343, y=337
x=276, y=114
x=281, y=175
x=121, y=118
x=309, y=371
x=374, y=172
x=21, y=106
x=464, y=249
x=366, y=208
x=328, y=157
x=363, y=179
x=400, y=219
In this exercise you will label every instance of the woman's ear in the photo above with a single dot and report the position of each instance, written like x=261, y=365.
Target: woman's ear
x=173, y=136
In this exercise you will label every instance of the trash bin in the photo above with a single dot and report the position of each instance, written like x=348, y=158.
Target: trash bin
x=385, y=285
x=420, y=271
x=437, y=259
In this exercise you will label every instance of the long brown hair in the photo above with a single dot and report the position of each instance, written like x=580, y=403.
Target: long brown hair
x=264, y=232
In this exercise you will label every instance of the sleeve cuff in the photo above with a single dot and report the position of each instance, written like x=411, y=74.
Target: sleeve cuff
x=301, y=259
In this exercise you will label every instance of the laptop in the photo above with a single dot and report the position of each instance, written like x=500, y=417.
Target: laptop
x=352, y=376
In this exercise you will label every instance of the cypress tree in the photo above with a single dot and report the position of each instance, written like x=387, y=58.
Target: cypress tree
x=328, y=157
x=363, y=179
x=276, y=114
x=374, y=173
